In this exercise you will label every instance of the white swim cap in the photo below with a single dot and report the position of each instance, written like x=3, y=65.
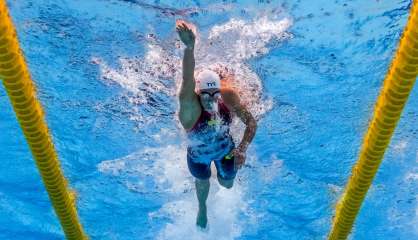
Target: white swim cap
x=207, y=79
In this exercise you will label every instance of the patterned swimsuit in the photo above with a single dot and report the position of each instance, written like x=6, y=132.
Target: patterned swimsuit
x=210, y=140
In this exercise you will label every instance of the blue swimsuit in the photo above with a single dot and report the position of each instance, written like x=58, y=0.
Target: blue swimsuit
x=210, y=140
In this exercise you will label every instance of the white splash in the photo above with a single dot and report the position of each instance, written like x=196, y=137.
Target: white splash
x=242, y=40
x=228, y=45
x=166, y=168
x=163, y=169
x=224, y=207
x=143, y=76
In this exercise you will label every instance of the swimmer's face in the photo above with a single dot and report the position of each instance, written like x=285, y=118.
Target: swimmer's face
x=209, y=99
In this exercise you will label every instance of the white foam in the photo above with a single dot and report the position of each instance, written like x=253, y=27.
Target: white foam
x=233, y=43
x=224, y=206
x=230, y=44
x=244, y=39
x=166, y=166
x=143, y=75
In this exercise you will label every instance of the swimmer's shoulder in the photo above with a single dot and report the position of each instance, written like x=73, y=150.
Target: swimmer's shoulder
x=230, y=98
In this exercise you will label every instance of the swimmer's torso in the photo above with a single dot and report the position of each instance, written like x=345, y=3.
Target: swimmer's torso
x=209, y=139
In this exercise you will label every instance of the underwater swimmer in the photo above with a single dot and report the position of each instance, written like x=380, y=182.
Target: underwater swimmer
x=206, y=112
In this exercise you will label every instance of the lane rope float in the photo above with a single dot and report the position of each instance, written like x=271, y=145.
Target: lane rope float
x=21, y=91
x=397, y=86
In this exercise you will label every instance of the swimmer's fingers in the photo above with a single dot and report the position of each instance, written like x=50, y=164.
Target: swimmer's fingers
x=181, y=26
x=187, y=28
x=180, y=29
x=183, y=29
x=179, y=22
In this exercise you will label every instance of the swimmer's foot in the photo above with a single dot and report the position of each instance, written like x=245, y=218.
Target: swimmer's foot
x=202, y=218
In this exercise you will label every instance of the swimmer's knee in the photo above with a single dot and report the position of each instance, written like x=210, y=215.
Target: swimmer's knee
x=226, y=183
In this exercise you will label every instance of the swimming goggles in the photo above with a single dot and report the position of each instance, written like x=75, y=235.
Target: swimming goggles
x=207, y=95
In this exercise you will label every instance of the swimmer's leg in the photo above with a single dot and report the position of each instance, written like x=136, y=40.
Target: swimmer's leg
x=226, y=183
x=226, y=171
x=202, y=192
x=202, y=174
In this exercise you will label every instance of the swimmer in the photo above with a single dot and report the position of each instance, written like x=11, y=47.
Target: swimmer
x=206, y=112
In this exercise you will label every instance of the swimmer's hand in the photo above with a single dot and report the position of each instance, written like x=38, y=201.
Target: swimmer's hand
x=239, y=157
x=186, y=33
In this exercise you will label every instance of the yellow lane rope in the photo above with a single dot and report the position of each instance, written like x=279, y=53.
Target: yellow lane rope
x=19, y=86
x=397, y=86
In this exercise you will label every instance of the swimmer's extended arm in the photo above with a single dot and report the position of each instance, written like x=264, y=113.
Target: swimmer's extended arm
x=189, y=104
x=233, y=102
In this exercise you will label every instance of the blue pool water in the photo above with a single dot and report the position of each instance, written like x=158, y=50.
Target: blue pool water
x=107, y=73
